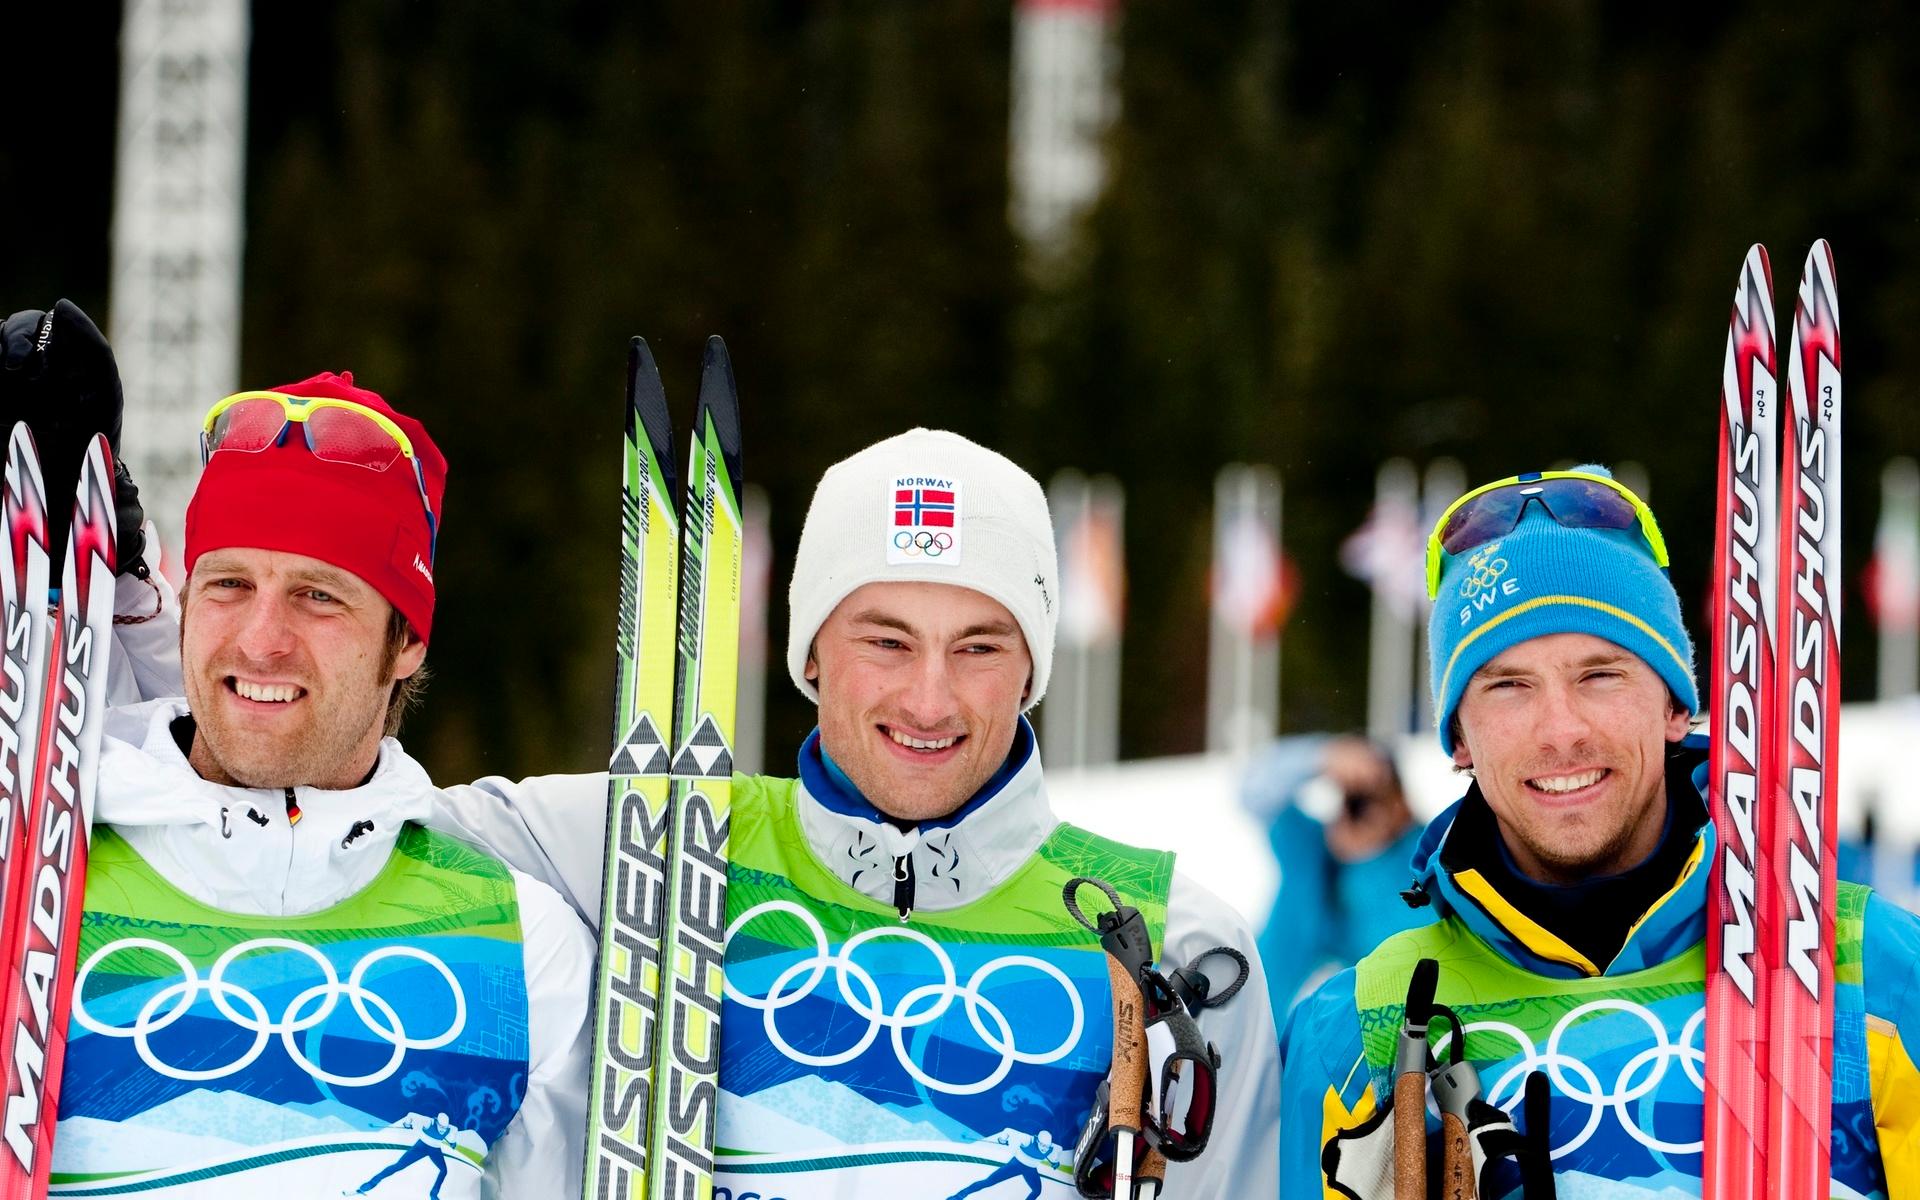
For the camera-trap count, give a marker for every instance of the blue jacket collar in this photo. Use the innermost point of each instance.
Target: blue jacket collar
(1673, 925)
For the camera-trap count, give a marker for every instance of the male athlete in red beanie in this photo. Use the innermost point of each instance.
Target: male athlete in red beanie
(317, 489)
(288, 984)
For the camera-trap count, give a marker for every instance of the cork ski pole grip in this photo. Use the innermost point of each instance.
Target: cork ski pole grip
(1456, 1177)
(1410, 1085)
(1128, 1091)
(1127, 1078)
(1410, 1137)
(1153, 1169)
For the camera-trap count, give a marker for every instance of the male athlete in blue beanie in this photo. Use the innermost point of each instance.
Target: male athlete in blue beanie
(1570, 881)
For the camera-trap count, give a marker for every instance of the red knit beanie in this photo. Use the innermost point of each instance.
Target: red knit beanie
(368, 522)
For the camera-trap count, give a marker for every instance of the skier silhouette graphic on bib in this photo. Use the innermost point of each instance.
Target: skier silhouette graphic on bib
(1028, 1155)
(434, 1139)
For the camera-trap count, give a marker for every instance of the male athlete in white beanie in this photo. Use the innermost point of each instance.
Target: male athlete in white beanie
(906, 994)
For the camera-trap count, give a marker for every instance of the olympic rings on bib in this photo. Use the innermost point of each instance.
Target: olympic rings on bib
(859, 993)
(1575, 1081)
(933, 545)
(310, 1009)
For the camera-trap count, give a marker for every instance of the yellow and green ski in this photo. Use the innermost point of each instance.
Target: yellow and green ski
(655, 1084)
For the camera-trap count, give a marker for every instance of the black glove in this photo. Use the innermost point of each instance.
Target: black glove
(58, 375)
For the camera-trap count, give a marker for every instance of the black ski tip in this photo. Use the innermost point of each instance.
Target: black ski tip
(647, 406)
(720, 398)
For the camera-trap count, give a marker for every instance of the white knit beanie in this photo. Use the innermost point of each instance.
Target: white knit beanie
(926, 506)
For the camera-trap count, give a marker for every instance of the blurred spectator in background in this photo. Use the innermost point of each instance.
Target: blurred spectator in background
(1344, 836)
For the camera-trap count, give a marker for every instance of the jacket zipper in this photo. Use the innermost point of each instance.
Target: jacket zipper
(903, 886)
(293, 818)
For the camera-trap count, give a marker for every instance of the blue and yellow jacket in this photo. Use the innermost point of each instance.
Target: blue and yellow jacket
(1622, 1043)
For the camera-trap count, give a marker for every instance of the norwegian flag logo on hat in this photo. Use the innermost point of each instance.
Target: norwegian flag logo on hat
(925, 525)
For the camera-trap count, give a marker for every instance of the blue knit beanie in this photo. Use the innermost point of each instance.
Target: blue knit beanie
(1544, 578)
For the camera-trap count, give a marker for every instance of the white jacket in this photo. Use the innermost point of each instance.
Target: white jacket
(554, 827)
(233, 849)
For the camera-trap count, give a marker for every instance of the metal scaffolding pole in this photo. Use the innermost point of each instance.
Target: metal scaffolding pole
(1065, 63)
(1243, 644)
(1080, 721)
(1896, 557)
(175, 322)
(1390, 669)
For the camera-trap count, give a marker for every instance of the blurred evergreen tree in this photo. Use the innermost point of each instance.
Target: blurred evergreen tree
(475, 207)
(1341, 233)
(1332, 233)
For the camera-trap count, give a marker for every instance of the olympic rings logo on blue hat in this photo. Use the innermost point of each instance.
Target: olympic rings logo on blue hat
(1483, 570)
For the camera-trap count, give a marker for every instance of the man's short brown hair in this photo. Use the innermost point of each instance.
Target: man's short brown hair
(407, 692)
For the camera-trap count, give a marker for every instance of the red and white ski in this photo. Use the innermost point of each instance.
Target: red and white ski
(1775, 696)
(1741, 683)
(1806, 740)
(46, 864)
(23, 661)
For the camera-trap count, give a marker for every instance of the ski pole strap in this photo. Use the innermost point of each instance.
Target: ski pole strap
(1123, 931)
(1163, 1085)
(1476, 1135)
(1193, 985)
(1456, 1047)
(1182, 1084)
(1069, 895)
(1411, 1053)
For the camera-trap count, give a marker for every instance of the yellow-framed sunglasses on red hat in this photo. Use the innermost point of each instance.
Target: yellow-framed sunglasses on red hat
(339, 431)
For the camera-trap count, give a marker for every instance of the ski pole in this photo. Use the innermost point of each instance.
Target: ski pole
(1410, 1086)
(1454, 1086)
(1123, 934)
(1536, 1164)
(1129, 1073)
(1153, 1170)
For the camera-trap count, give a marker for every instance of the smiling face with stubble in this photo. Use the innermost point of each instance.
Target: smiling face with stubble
(1567, 736)
(921, 686)
(289, 668)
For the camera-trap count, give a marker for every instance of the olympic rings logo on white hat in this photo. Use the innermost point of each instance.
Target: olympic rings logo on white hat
(307, 1010)
(1639, 1077)
(933, 545)
(920, 1006)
